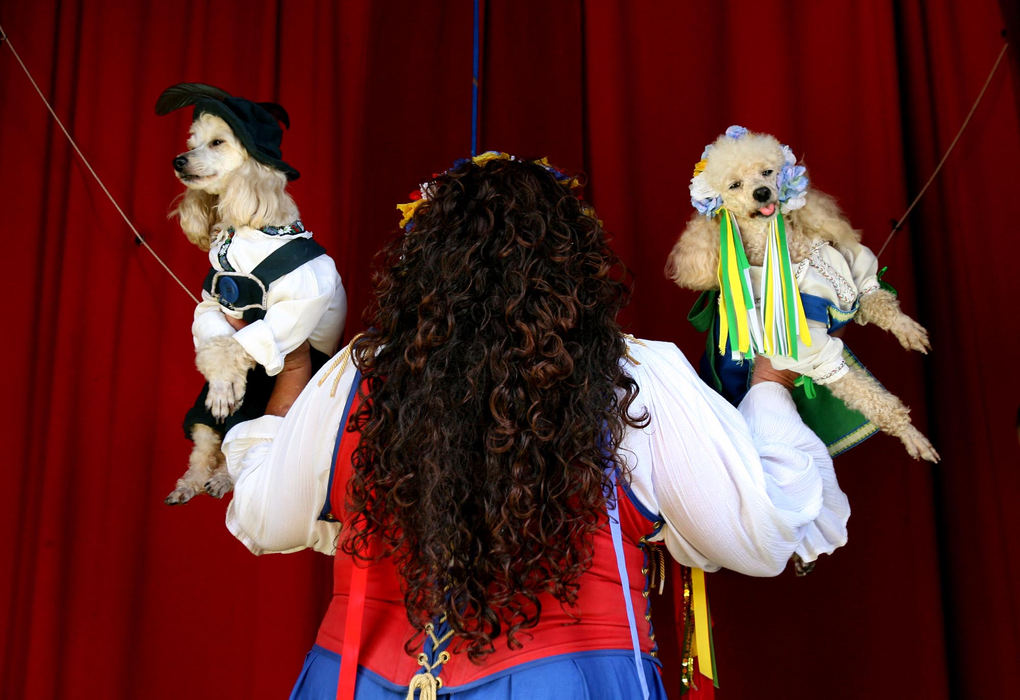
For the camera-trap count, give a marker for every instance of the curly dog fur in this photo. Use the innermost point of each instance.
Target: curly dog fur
(226, 187)
(744, 172)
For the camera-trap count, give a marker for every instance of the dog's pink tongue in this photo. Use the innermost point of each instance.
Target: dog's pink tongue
(767, 210)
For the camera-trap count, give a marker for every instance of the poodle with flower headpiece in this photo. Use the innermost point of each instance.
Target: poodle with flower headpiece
(789, 270)
(270, 287)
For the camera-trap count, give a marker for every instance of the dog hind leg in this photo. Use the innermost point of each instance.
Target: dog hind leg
(862, 392)
(204, 464)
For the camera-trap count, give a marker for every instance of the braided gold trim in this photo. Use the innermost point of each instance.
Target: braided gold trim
(341, 360)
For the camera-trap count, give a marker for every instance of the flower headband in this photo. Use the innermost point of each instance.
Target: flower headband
(792, 181)
(424, 192)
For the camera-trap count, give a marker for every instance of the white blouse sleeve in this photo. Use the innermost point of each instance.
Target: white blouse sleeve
(281, 468)
(741, 489)
(296, 303)
(863, 266)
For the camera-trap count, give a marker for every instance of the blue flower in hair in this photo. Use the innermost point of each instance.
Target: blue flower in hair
(792, 182)
(707, 207)
(736, 132)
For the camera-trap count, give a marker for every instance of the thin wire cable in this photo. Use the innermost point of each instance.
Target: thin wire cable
(7, 40)
(945, 157)
(474, 81)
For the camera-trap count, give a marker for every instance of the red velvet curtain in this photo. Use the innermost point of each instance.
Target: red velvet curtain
(109, 593)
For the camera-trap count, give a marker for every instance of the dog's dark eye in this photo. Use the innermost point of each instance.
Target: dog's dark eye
(766, 173)
(736, 185)
(217, 142)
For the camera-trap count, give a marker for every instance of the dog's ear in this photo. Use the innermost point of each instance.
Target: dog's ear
(278, 112)
(185, 94)
(196, 213)
(694, 261)
(820, 217)
(254, 195)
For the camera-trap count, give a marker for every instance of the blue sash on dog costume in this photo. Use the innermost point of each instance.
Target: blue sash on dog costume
(837, 425)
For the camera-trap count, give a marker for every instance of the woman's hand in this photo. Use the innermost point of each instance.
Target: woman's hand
(297, 370)
(765, 372)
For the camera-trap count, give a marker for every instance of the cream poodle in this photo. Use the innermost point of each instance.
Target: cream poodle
(755, 178)
(267, 275)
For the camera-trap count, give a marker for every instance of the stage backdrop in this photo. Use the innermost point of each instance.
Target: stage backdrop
(107, 593)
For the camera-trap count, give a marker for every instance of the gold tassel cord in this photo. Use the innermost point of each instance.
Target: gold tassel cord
(426, 684)
(341, 360)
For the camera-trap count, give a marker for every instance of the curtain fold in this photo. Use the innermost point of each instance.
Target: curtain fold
(109, 593)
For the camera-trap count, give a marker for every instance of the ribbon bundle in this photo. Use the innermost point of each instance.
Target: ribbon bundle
(774, 328)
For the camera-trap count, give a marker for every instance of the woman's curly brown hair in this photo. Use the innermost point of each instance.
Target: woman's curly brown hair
(495, 403)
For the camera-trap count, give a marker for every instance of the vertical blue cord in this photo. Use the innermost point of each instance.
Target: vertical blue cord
(612, 508)
(474, 87)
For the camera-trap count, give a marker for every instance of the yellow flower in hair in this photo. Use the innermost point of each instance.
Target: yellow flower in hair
(408, 211)
(699, 167)
(484, 158)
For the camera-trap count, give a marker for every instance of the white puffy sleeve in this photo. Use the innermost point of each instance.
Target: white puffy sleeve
(296, 304)
(863, 267)
(741, 489)
(281, 469)
(209, 320)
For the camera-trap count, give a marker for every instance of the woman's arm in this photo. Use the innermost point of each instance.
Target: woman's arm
(280, 464)
(741, 489)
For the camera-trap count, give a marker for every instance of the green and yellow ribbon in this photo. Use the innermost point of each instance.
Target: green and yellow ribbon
(776, 327)
(737, 315)
(702, 648)
(782, 308)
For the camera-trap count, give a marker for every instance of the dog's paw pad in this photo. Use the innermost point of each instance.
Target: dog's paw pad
(180, 495)
(219, 484)
(221, 400)
(918, 446)
(913, 336)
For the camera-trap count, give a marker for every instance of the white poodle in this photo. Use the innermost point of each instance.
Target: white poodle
(755, 179)
(265, 269)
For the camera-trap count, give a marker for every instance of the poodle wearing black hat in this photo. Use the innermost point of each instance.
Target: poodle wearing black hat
(266, 271)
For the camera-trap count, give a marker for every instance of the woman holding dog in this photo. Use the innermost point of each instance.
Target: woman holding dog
(491, 462)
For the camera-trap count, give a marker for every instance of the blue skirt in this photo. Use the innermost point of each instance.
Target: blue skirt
(587, 675)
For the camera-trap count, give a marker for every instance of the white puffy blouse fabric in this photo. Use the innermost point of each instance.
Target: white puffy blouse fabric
(741, 489)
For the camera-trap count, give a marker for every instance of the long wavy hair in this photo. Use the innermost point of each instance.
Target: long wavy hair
(495, 401)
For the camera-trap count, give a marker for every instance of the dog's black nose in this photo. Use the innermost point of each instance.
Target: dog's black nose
(180, 162)
(762, 194)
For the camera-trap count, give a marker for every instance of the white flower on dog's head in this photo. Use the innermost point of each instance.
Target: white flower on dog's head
(703, 197)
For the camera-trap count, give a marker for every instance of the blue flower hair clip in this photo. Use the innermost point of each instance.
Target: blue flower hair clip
(792, 182)
(736, 131)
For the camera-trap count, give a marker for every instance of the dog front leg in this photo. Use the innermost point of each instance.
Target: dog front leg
(881, 308)
(862, 392)
(224, 364)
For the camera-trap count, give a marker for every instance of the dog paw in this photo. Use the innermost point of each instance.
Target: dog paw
(180, 495)
(219, 484)
(224, 397)
(912, 335)
(918, 445)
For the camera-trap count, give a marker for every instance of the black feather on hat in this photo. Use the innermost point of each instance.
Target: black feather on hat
(255, 124)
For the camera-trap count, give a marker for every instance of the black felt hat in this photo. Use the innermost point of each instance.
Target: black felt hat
(255, 124)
